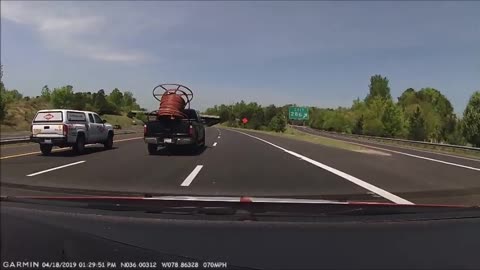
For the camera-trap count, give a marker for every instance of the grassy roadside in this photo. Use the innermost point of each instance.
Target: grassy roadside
(428, 148)
(433, 149)
(122, 120)
(301, 136)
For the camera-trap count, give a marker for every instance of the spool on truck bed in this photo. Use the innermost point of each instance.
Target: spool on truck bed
(174, 123)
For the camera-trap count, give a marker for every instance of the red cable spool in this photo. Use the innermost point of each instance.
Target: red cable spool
(173, 101)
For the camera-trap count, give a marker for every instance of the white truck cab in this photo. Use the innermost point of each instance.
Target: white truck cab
(70, 128)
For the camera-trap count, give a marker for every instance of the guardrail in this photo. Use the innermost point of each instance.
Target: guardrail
(26, 139)
(12, 140)
(402, 141)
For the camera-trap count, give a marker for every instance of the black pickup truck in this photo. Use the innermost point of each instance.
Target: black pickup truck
(174, 132)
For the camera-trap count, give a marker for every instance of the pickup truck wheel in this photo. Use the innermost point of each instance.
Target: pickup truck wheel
(79, 146)
(46, 149)
(109, 143)
(152, 148)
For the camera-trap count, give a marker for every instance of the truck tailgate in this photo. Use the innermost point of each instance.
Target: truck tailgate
(167, 128)
(47, 130)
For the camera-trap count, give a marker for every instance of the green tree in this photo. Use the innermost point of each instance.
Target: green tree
(442, 113)
(212, 111)
(436, 109)
(10, 96)
(225, 113)
(128, 99)
(116, 97)
(456, 136)
(373, 124)
(257, 118)
(278, 123)
(392, 120)
(337, 120)
(79, 101)
(102, 105)
(358, 127)
(373, 127)
(408, 97)
(62, 98)
(270, 112)
(471, 120)
(378, 88)
(46, 93)
(417, 126)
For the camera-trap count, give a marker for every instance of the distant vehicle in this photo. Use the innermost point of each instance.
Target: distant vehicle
(173, 124)
(70, 128)
(168, 132)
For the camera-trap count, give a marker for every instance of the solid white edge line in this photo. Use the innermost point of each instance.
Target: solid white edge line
(385, 194)
(191, 176)
(215, 144)
(56, 168)
(407, 154)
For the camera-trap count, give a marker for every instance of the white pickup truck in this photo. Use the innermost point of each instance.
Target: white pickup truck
(70, 128)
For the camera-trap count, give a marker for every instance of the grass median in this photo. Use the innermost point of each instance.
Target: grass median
(302, 136)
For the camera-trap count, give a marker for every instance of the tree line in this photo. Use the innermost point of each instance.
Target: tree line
(422, 115)
(116, 102)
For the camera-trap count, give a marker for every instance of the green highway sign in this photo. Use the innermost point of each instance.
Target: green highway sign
(298, 113)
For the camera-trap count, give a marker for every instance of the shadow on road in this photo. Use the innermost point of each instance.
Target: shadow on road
(68, 152)
(180, 151)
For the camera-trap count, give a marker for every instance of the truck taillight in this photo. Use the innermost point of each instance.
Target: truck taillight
(65, 130)
(191, 131)
(144, 130)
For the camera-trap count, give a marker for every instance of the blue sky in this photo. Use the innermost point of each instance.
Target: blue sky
(308, 53)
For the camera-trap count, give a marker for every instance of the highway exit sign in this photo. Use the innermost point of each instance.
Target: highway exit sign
(298, 113)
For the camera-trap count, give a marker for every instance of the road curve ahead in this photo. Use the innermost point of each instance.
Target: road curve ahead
(240, 163)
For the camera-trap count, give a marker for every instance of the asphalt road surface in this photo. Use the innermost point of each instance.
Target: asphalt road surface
(245, 163)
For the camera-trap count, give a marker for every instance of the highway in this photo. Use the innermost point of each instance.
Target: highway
(245, 163)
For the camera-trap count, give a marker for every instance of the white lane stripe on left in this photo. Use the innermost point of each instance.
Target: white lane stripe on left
(191, 176)
(215, 144)
(56, 168)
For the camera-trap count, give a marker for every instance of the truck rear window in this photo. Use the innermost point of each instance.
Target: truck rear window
(191, 114)
(53, 116)
(76, 117)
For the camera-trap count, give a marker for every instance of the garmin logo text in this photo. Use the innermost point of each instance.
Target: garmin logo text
(20, 265)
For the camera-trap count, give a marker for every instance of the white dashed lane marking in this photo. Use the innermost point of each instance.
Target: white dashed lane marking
(56, 168)
(191, 176)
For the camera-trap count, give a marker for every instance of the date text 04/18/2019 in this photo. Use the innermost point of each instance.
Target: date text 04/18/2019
(58, 265)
